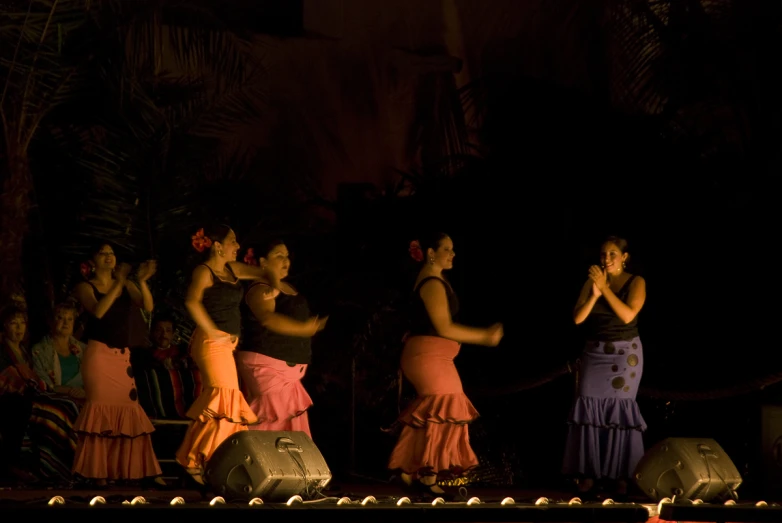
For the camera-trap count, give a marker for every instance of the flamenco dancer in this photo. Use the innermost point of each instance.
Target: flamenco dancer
(605, 425)
(434, 440)
(213, 300)
(114, 431)
(277, 347)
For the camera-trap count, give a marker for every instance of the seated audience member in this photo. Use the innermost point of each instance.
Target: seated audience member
(38, 430)
(162, 351)
(57, 357)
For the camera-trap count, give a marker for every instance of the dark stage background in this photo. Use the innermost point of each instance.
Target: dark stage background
(558, 125)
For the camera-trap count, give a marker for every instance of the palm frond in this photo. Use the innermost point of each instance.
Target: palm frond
(438, 129)
(166, 95)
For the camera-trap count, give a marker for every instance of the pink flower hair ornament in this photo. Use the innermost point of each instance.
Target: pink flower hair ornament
(249, 257)
(199, 241)
(86, 269)
(415, 251)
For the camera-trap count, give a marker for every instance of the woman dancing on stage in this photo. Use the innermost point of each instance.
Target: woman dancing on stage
(213, 299)
(434, 439)
(605, 425)
(114, 432)
(277, 346)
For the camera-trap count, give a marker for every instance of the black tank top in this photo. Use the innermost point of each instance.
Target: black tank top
(604, 325)
(222, 301)
(291, 349)
(122, 326)
(420, 322)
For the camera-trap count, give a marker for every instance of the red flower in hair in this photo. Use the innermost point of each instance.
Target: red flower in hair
(200, 242)
(249, 258)
(86, 268)
(415, 251)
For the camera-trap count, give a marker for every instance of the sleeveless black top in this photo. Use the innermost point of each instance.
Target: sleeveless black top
(291, 349)
(122, 326)
(604, 325)
(222, 301)
(420, 323)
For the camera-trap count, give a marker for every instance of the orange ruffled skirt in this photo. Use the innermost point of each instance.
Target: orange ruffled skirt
(220, 410)
(114, 431)
(434, 437)
(275, 392)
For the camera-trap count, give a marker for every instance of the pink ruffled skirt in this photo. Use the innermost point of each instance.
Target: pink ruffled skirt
(220, 410)
(274, 391)
(114, 431)
(434, 437)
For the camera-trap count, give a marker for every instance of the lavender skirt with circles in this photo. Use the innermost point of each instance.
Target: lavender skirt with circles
(605, 426)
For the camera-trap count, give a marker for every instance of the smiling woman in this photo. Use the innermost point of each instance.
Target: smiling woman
(114, 432)
(213, 298)
(434, 440)
(278, 346)
(605, 426)
(57, 357)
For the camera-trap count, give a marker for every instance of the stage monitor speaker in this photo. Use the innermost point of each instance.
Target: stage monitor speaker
(271, 465)
(688, 468)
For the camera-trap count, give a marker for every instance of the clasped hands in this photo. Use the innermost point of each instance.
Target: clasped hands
(146, 270)
(599, 279)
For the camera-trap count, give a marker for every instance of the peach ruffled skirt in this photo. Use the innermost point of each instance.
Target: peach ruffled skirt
(434, 437)
(221, 409)
(275, 392)
(114, 432)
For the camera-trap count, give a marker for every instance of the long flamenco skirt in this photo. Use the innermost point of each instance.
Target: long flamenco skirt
(274, 391)
(220, 410)
(605, 427)
(114, 431)
(434, 437)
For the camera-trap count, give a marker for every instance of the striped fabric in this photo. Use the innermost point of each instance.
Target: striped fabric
(50, 442)
(167, 394)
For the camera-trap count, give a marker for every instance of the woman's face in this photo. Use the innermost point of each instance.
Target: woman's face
(443, 256)
(15, 328)
(63, 322)
(277, 262)
(228, 248)
(105, 258)
(611, 258)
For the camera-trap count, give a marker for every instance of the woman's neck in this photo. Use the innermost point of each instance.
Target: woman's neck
(432, 270)
(15, 345)
(62, 339)
(103, 276)
(615, 276)
(216, 264)
(62, 344)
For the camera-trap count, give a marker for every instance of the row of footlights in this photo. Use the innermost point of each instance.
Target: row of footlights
(728, 503)
(369, 500)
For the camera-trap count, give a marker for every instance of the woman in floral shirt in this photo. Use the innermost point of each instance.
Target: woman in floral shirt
(57, 357)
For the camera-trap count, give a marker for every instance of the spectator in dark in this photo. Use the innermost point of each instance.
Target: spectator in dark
(163, 350)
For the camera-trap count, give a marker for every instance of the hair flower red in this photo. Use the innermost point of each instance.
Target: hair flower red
(86, 268)
(200, 242)
(249, 258)
(415, 251)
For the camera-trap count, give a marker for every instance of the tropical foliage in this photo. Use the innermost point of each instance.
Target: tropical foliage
(37, 74)
(135, 108)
